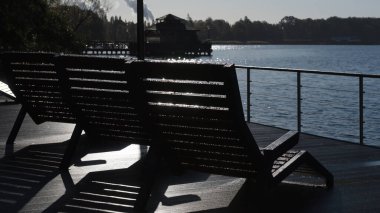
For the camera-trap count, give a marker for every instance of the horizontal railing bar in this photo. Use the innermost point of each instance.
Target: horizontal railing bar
(309, 71)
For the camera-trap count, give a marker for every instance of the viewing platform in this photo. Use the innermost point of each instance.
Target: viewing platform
(31, 181)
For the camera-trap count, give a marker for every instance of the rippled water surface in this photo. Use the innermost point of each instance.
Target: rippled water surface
(330, 104)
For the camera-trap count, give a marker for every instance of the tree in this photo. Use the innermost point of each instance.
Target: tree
(78, 11)
(31, 25)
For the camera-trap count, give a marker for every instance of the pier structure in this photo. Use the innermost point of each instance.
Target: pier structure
(107, 48)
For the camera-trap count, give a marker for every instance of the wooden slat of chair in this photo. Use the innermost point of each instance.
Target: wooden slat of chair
(183, 87)
(96, 74)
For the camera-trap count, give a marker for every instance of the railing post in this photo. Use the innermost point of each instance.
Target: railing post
(299, 102)
(248, 95)
(361, 111)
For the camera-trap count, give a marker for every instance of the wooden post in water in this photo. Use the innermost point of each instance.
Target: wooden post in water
(140, 30)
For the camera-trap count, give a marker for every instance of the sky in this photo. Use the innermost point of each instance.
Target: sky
(271, 11)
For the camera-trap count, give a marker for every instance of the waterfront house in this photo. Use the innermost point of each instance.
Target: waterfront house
(170, 35)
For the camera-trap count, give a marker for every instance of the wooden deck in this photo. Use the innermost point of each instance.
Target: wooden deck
(106, 177)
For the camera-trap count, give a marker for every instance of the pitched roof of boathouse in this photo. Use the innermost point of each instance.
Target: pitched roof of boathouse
(171, 22)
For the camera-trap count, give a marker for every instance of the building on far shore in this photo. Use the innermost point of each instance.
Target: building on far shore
(170, 36)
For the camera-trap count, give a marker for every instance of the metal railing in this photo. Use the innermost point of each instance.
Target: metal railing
(300, 73)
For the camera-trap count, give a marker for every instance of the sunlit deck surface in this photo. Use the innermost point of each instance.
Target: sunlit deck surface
(32, 182)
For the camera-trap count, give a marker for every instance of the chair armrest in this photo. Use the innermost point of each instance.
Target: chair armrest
(281, 145)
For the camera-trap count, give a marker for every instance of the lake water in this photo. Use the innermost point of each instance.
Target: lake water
(330, 104)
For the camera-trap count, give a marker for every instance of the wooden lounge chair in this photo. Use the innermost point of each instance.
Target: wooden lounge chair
(196, 111)
(100, 97)
(33, 80)
(96, 89)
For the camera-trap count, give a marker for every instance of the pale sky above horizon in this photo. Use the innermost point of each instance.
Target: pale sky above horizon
(271, 11)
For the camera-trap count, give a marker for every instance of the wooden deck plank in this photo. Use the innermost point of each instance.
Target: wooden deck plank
(356, 169)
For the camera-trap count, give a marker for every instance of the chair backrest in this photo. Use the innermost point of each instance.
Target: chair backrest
(32, 77)
(99, 94)
(196, 111)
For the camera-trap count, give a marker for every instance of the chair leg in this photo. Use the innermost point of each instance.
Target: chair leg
(318, 167)
(67, 181)
(149, 172)
(70, 149)
(15, 129)
(303, 157)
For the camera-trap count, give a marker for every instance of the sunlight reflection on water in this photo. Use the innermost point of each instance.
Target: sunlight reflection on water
(330, 103)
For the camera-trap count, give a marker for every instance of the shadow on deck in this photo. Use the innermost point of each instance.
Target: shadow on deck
(106, 177)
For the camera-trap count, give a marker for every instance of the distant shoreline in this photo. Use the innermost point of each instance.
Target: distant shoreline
(294, 42)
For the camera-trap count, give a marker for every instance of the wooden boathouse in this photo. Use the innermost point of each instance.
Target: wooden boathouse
(171, 36)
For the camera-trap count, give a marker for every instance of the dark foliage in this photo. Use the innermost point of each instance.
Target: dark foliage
(33, 25)
(293, 30)
(48, 25)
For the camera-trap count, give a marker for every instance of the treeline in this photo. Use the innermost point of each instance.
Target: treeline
(292, 30)
(58, 25)
(68, 25)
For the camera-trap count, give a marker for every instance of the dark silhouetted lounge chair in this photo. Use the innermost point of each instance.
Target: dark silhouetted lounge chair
(101, 98)
(196, 111)
(33, 80)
